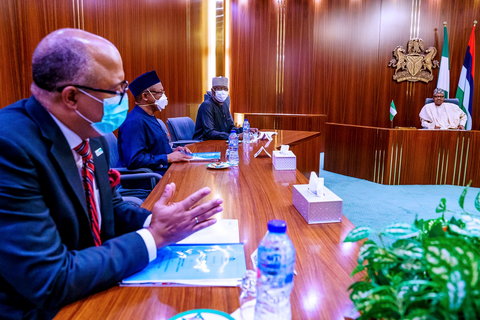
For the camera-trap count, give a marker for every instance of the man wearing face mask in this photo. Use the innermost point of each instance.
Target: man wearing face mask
(65, 232)
(214, 121)
(142, 143)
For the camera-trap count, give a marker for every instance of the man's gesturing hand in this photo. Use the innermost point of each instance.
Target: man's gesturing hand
(171, 222)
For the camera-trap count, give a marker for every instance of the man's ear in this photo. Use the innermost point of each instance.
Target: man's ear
(69, 97)
(145, 96)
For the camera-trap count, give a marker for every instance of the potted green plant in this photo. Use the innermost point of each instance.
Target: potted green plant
(426, 270)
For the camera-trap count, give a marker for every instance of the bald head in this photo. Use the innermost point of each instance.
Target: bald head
(70, 56)
(68, 59)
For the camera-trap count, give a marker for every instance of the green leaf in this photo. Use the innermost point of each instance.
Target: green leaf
(357, 269)
(442, 206)
(461, 200)
(477, 202)
(401, 231)
(357, 234)
(456, 288)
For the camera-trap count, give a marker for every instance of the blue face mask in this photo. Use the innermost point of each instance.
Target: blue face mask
(114, 113)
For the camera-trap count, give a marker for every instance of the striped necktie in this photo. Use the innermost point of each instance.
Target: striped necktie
(88, 170)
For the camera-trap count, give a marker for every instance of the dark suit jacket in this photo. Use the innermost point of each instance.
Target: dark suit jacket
(214, 121)
(142, 143)
(47, 258)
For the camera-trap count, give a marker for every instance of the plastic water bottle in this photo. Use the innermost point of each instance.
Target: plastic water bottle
(246, 131)
(232, 152)
(276, 262)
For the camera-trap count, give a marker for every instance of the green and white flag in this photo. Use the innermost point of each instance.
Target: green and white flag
(393, 110)
(444, 73)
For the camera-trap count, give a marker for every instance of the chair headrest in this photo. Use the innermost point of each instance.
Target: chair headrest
(451, 100)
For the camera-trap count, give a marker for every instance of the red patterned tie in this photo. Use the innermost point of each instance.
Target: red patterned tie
(88, 169)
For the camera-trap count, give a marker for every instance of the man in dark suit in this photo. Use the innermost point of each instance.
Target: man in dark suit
(64, 231)
(142, 143)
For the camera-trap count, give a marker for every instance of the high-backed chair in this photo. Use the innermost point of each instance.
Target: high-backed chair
(130, 179)
(181, 130)
(452, 100)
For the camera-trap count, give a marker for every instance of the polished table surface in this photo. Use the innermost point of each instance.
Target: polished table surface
(253, 193)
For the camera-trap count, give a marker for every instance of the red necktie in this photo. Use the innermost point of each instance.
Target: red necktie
(88, 169)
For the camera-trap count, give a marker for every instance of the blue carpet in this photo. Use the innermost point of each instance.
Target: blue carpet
(376, 206)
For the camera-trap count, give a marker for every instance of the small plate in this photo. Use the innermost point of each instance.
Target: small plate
(218, 165)
(206, 314)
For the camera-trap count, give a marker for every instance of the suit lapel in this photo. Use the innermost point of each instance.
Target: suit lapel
(61, 153)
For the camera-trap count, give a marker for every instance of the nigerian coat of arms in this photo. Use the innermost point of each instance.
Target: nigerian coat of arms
(414, 65)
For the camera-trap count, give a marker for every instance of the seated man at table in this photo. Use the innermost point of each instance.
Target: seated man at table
(65, 233)
(214, 121)
(142, 143)
(442, 115)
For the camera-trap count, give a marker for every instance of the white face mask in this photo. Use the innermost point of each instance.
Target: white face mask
(221, 95)
(162, 102)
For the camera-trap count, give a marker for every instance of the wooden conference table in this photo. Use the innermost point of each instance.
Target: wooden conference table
(253, 193)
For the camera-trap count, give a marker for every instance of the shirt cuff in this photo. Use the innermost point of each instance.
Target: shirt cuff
(146, 224)
(149, 243)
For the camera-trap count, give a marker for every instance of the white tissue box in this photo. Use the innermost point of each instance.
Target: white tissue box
(316, 209)
(284, 161)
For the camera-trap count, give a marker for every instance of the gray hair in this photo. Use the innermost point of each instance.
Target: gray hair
(60, 60)
(439, 91)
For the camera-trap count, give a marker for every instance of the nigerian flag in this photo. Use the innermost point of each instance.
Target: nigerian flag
(444, 73)
(393, 110)
(465, 83)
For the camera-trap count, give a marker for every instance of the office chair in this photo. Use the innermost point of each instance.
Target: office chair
(181, 130)
(451, 100)
(132, 182)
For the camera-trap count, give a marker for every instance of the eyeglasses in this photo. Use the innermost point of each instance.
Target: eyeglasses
(439, 97)
(161, 93)
(123, 89)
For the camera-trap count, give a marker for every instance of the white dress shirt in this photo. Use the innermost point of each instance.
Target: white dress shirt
(74, 140)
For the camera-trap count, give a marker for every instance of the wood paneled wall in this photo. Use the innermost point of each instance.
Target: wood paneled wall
(168, 36)
(287, 56)
(335, 56)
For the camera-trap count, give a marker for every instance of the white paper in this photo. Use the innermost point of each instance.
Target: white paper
(284, 148)
(224, 231)
(316, 185)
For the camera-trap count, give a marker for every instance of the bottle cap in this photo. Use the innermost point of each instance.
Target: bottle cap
(277, 226)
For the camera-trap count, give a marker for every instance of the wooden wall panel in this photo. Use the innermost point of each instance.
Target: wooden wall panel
(254, 49)
(336, 54)
(22, 25)
(333, 53)
(168, 36)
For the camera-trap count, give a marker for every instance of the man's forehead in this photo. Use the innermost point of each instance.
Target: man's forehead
(157, 87)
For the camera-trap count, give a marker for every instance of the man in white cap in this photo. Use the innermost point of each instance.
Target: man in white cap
(214, 121)
(442, 115)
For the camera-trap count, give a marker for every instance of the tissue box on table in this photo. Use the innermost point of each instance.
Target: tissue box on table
(284, 161)
(315, 209)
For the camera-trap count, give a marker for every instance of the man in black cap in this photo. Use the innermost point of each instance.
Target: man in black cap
(142, 143)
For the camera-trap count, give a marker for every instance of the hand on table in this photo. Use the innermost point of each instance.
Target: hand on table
(177, 156)
(172, 222)
(183, 149)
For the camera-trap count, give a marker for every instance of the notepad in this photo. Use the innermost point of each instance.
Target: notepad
(193, 265)
(205, 156)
